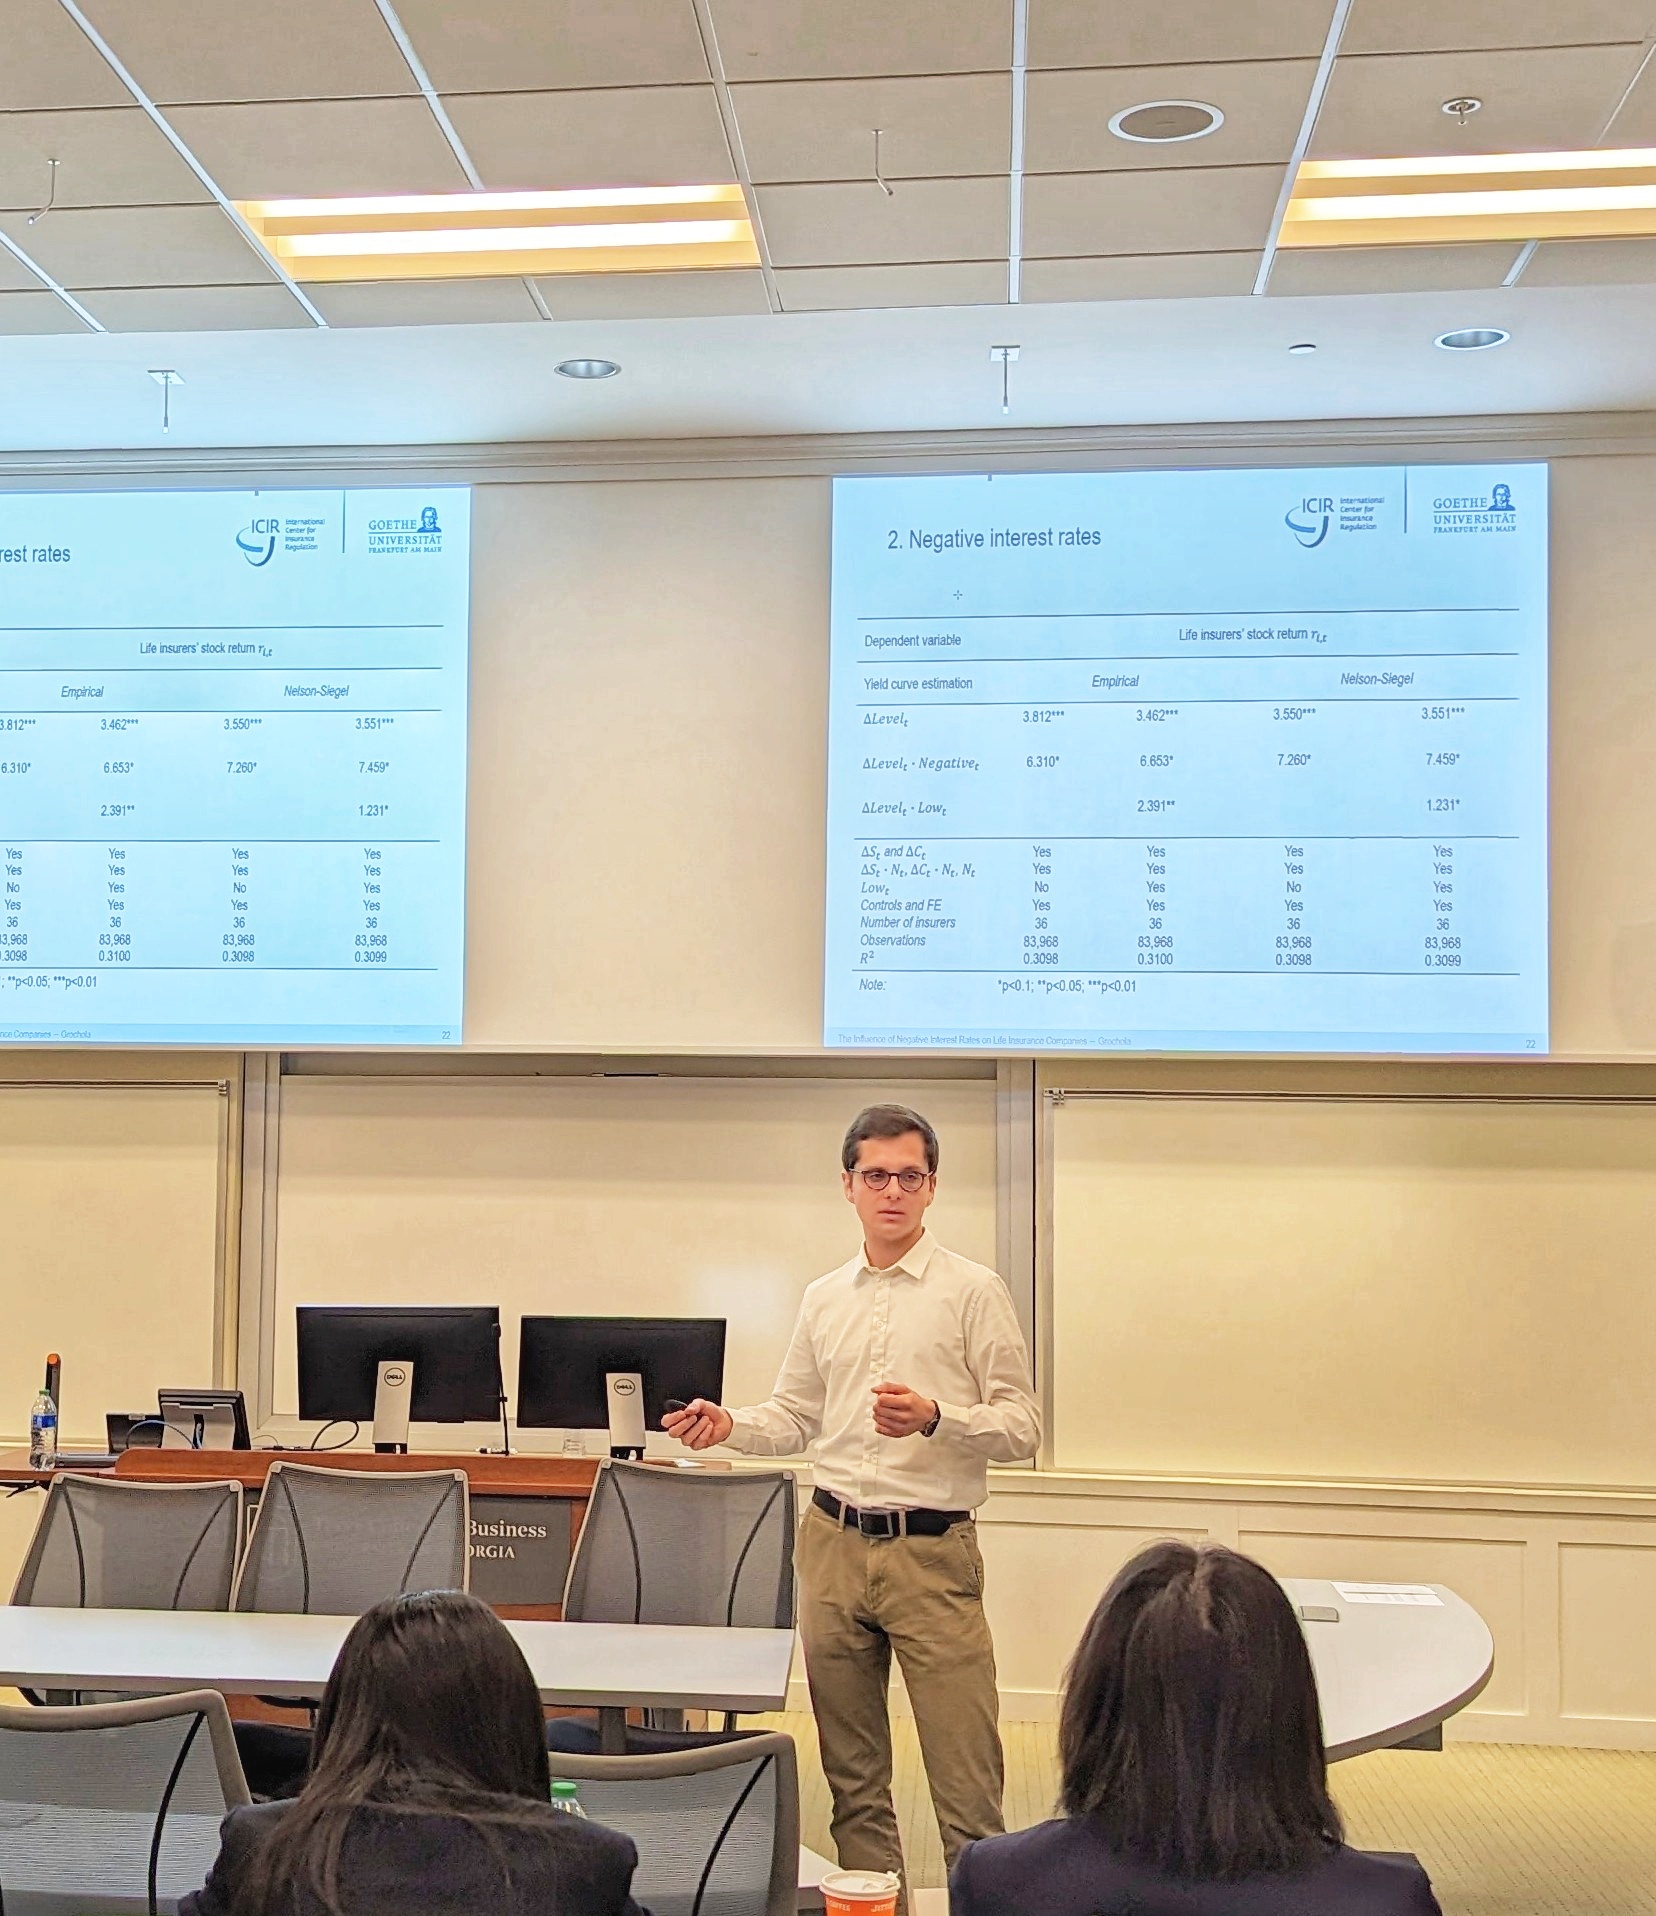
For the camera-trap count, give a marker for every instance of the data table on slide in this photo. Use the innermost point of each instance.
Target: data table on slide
(1206, 760)
(232, 766)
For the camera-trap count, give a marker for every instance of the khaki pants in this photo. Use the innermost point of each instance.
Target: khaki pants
(861, 1599)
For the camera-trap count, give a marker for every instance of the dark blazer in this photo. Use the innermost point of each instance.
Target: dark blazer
(400, 1865)
(1064, 1868)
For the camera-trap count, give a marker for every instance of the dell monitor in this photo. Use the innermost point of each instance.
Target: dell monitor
(397, 1364)
(615, 1373)
(202, 1420)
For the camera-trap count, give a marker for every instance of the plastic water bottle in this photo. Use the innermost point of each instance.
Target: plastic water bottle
(43, 1433)
(567, 1797)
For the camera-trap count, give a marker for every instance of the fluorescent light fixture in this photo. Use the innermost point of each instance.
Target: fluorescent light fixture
(1461, 198)
(624, 229)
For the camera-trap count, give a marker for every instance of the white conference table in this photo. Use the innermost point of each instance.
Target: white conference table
(1391, 1672)
(610, 1667)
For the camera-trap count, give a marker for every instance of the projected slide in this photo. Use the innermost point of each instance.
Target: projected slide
(1218, 761)
(233, 766)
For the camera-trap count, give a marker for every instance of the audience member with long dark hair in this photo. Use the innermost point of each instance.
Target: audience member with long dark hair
(428, 1793)
(1194, 1780)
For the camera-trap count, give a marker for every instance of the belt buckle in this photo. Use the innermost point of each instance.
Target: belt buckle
(882, 1524)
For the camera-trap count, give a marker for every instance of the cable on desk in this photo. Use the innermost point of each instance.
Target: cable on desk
(345, 1443)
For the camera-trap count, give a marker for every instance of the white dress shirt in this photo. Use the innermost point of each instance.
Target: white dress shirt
(934, 1321)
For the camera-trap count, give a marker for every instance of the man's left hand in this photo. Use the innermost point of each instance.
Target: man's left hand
(901, 1412)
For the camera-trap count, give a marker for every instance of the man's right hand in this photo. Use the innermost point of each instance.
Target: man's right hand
(699, 1426)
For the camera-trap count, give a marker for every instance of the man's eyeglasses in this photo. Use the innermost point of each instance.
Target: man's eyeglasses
(910, 1181)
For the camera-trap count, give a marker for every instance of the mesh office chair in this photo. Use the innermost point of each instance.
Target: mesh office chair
(717, 1826)
(681, 1546)
(113, 1809)
(101, 1545)
(678, 1546)
(336, 1542)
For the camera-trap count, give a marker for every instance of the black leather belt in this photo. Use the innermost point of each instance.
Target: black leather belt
(888, 1523)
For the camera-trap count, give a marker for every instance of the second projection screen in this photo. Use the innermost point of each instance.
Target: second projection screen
(1220, 761)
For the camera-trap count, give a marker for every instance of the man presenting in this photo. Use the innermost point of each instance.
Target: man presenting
(908, 1371)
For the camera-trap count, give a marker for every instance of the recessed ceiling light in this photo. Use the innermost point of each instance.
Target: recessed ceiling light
(623, 229)
(1459, 197)
(1303, 346)
(587, 368)
(1163, 122)
(1472, 339)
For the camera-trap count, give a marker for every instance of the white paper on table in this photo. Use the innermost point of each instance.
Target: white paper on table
(1389, 1593)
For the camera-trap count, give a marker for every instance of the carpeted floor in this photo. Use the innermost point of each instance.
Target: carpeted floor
(1503, 1829)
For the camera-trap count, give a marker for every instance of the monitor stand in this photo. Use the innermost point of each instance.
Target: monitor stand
(624, 1393)
(393, 1394)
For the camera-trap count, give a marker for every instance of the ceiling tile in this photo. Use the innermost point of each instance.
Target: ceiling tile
(1606, 262)
(858, 225)
(619, 136)
(1427, 26)
(140, 246)
(185, 50)
(1140, 276)
(1384, 104)
(195, 309)
(1092, 33)
(294, 148)
(811, 289)
(1392, 269)
(423, 302)
(108, 156)
(1635, 123)
(1263, 102)
(509, 46)
(933, 128)
(50, 62)
(654, 295)
(14, 275)
(1195, 210)
(845, 39)
(37, 313)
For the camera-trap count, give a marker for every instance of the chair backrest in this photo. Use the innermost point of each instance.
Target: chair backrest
(684, 1546)
(113, 1806)
(336, 1542)
(717, 1826)
(102, 1545)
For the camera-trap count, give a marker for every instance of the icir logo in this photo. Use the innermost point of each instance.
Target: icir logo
(1309, 521)
(257, 540)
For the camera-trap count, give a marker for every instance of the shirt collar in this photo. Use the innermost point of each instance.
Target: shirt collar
(912, 1263)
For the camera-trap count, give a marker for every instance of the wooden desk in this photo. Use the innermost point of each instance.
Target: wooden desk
(526, 1511)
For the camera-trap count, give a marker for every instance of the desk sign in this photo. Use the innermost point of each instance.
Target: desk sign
(519, 1549)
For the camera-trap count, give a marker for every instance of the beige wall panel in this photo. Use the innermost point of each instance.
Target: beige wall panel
(1607, 1649)
(18, 1517)
(1041, 1582)
(1421, 1292)
(648, 751)
(111, 1200)
(652, 1197)
(1488, 1572)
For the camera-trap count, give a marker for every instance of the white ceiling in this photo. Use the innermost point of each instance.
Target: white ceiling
(1146, 284)
(1128, 362)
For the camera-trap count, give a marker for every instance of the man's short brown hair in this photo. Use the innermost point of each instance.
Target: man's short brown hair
(887, 1121)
